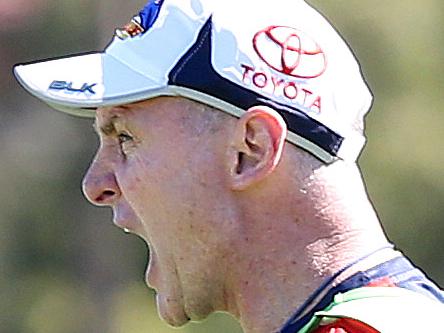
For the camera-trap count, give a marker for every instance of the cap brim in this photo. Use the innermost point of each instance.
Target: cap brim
(79, 84)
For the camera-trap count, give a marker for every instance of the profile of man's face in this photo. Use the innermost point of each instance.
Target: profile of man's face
(160, 166)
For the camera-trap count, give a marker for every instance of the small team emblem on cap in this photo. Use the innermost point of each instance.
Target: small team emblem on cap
(132, 29)
(142, 22)
(290, 51)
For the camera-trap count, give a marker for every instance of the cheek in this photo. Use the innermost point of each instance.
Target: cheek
(148, 185)
(137, 179)
(167, 187)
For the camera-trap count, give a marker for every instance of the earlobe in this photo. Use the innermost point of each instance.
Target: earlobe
(257, 146)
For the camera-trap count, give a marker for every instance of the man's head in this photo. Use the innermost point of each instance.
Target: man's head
(211, 130)
(202, 187)
(172, 170)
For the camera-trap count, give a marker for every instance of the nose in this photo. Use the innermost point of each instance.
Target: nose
(100, 186)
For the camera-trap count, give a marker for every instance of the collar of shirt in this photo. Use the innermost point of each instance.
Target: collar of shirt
(398, 268)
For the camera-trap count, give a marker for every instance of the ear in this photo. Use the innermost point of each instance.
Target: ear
(257, 146)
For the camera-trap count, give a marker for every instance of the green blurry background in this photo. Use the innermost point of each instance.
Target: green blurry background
(65, 268)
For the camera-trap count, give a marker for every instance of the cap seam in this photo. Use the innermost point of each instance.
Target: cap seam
(187, 59)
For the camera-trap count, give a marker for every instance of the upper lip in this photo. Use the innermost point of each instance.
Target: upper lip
(123, 220)
(125, 225)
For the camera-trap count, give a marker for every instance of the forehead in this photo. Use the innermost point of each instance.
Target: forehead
(135, 112)
(170, 113)
(160, 105)
(106, 114)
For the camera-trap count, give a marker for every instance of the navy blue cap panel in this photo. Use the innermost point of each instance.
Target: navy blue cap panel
(198, 60)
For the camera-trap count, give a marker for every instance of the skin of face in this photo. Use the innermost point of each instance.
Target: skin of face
(235, 221)
(160, 166)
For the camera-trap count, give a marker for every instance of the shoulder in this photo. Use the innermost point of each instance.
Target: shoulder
(380, 309)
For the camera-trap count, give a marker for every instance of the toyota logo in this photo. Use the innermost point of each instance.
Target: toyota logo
(290, 51)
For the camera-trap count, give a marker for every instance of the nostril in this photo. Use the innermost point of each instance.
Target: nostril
(106, 196)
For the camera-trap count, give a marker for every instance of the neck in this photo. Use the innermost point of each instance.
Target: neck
(281, 260)
(271, 285)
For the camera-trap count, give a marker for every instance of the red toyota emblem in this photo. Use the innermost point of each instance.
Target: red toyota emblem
(290, 51)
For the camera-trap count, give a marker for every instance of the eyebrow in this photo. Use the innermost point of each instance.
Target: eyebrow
(108, 128)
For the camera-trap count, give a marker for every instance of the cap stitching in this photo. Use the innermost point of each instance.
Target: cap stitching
(191, 55)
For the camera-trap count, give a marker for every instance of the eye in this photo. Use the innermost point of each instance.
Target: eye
(126, 143)
(124, 137)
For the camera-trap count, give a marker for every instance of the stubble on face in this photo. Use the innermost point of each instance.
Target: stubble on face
(172, 178)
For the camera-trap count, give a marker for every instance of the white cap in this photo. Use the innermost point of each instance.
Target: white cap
(229, 54)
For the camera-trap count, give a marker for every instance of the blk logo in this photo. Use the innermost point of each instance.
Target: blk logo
(69, 86)
(290, 51)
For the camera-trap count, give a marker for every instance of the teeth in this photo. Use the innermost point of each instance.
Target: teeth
(126, 231)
